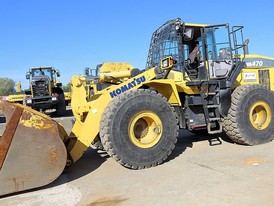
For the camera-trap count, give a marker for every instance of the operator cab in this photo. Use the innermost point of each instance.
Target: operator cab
(203, 52)
(43, 71)
(214, 53)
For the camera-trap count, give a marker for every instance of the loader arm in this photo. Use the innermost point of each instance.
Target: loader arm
(88, 114)
(34, 149)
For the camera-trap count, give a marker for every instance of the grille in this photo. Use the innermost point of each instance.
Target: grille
(264, 78)
(40, 88)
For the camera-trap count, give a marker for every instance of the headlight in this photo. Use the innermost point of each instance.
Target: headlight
(29, 101)
(165, 63)
(54, 98)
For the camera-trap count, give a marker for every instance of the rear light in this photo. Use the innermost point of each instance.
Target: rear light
(54, 96)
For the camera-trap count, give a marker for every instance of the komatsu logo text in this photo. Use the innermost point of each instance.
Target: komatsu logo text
(130, 85)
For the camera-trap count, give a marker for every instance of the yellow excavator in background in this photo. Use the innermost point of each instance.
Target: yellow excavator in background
(198, 77)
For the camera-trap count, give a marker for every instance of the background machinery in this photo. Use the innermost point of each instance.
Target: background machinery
(188, 83)
(18, 96)
(103, 76)
(45, 91)
(106, 74)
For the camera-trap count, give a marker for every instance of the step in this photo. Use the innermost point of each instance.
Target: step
(212, 106)
(214, 131)
(211, 93)
(214, 119)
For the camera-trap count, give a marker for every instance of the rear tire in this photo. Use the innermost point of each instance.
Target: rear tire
(250, 119)
(139, 129)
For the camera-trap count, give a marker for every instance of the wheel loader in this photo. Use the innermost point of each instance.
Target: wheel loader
(45, 90)
(198, 77)
(106, 74)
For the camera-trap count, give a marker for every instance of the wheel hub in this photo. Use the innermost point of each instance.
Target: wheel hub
(260, 115)
(145, 129)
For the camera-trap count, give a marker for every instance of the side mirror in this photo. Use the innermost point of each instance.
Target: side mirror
(188, 34)
(28, 75)
(57, 73)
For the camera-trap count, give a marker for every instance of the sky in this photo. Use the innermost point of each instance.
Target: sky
(71, 35)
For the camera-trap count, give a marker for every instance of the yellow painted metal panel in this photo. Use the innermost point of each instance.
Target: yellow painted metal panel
(88, 114)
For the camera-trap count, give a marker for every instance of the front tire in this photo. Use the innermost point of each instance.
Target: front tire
(139, 129)
(250, 119)
(61, 105)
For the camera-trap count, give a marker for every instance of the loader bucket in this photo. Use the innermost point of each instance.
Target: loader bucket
(32, 152)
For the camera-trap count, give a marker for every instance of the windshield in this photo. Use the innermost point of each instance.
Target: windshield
(164, 42)
(42, 71)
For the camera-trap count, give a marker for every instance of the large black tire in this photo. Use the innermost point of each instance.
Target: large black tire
(139, 129)
(61, 105)
(250, 119)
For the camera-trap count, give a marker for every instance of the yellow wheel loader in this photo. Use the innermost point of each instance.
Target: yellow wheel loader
(106, 74)
(198, 77)
(45, 90)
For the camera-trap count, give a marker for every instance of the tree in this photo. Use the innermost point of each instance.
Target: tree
(66, 87)
(6, 86)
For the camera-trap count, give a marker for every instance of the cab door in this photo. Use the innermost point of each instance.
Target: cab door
(217, 50)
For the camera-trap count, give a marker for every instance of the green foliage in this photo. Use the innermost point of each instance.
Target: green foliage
(66, 87)
(6, 86)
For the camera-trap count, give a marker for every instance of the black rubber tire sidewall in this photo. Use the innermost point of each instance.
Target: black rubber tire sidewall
(240, 126)
(117, 139)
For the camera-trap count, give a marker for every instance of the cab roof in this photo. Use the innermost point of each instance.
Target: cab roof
(196, 25)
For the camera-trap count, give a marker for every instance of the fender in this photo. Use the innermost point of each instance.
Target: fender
(128, 86)
(168, 89)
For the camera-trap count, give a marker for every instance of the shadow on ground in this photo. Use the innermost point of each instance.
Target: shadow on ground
(186, 140)
(93, 159)
(88, 163)
(2, 119)
(53, 114)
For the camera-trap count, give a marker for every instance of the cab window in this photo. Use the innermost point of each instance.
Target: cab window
(218, 44)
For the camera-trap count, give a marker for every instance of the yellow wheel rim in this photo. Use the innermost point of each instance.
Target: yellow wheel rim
(260, 115)
(145, 129)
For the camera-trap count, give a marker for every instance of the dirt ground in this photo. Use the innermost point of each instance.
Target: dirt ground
(200, 171)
